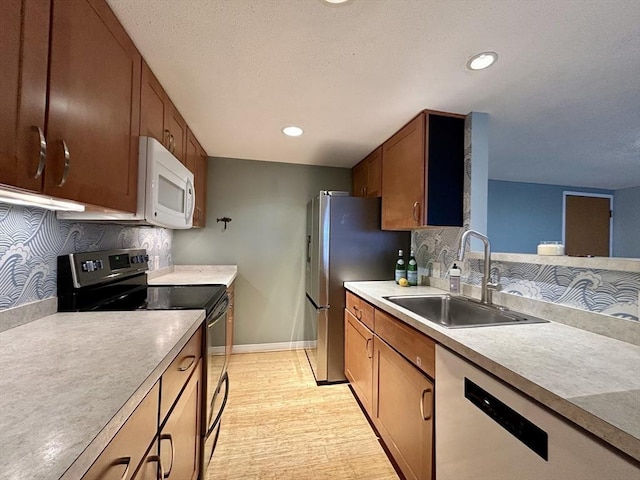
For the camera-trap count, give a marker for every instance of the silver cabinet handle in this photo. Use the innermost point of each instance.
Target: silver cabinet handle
(156, 458)
(172, 143)
(167, 436)
(424, 392)
(43, 152)
(67, 164)
(365, 191)
(123, 461)
(193, 360)
(167, 139)
(416, 209)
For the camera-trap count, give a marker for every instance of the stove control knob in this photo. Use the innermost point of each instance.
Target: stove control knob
(134, 259)
(146, 258)
(84, 267)
(90, 266)
(98, 264)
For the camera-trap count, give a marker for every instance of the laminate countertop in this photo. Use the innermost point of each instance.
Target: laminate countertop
(69, 381)
(194, 275)
(591, 380)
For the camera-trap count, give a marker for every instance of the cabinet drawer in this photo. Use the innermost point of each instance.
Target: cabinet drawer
(176, 376)
(360, 309)
(128, 447)
(415, 346)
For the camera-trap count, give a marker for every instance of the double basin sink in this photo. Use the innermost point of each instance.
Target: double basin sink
(460, 312)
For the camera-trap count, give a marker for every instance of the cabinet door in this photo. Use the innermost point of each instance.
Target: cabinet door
(359, 179)
(178, 128)
(128, 447)
(403, 177)
(180, 436)
(24, 36)
(153, 107)
(229, 333)
(403, 411)
(94, 107)
(358, 359)
(196, 162)
(374, 173)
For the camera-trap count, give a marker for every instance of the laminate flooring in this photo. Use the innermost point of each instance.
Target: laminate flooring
(279, 425)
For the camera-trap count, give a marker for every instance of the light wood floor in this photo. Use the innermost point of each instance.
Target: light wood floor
(279, 425)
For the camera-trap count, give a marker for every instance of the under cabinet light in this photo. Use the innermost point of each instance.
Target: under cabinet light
(19, 197)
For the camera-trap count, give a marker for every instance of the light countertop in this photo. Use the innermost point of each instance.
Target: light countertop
(194, 275)
(69, 381)
(592, 380)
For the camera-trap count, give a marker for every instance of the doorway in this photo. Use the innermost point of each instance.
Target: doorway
(587, 222)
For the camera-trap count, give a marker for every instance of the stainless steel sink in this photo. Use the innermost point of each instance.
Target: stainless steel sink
(459, 312)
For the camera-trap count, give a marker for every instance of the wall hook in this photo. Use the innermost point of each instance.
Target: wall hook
(225, 220)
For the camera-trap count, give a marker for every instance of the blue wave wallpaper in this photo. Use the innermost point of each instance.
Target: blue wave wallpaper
(32, 238)
(609, 292)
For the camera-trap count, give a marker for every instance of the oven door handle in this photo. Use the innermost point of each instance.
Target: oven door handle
(213, 425)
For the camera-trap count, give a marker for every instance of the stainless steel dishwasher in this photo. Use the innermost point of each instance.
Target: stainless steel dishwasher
(486, 430)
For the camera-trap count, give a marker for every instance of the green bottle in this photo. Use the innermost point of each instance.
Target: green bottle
(401, 268)
(412, 270)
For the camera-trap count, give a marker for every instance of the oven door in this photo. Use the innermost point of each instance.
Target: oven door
(217, 381)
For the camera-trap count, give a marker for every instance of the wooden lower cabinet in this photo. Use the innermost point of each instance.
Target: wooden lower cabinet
(127, 449)
(403, 403)
(358, 359)
(180, 435)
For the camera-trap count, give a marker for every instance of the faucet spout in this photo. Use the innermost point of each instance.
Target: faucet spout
(487, 287)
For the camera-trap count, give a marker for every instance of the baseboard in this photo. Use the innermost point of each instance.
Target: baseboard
(273, 347)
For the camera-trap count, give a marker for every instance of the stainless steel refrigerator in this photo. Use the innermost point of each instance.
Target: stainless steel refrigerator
(344, 243)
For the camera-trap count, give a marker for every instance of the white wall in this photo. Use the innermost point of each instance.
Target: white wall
(266, 239)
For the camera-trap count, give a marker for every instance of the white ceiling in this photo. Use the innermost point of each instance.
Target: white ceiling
(563, 99)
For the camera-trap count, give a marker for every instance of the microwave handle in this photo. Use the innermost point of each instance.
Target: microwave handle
(190, 199)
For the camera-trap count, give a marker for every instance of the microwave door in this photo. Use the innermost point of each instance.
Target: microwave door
(170, 194)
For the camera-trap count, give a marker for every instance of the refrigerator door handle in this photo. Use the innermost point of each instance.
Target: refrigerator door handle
(308, 248)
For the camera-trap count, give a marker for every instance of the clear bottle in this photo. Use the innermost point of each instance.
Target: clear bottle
(412, 270)
(454, 279)
(401, 268)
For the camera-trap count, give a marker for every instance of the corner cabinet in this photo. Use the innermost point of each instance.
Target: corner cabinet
(89, 149)
(423, 173)
(367, 175)
(391, 369)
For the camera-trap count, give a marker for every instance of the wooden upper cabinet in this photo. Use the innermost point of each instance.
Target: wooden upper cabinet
(367, 175)
(159, 118)
(94, 97)
(196, 161)
(24, 36)
(423, 173)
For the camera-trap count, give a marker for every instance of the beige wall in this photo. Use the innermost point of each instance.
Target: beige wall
(266, 239)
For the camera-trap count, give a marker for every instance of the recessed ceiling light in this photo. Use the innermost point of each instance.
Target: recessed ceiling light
(336, 2)
(292, 131)
(482, 60)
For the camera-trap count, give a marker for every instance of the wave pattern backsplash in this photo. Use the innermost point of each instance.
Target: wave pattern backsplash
(608, 292)
(32, 238)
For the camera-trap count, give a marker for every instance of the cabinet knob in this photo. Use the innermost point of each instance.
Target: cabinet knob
(67, 164)
(43, 152)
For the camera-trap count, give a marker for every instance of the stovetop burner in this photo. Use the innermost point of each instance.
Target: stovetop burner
(115, 280)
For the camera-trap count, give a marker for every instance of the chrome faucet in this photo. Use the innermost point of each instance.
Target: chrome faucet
(487, 286)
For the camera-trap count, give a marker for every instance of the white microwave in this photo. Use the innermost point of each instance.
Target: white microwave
(166, 194)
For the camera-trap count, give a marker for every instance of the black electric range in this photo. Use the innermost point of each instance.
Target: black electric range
(115, 280)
